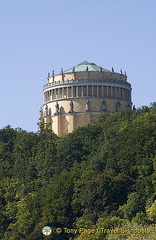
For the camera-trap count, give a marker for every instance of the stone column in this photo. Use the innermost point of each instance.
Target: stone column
(72, 91)
(121, 92)
(50, 97)
(97, 90)
(63, 92)
(82, 90)
(129, 95)
(87, 90)
(76, 91)
(115, 92)
(47, 96)
(58, 92)
(124, 93)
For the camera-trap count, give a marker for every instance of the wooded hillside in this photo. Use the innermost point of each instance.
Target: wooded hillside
(102, 176)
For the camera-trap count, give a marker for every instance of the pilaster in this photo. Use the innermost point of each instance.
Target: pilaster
(71, 122)
(87, 117)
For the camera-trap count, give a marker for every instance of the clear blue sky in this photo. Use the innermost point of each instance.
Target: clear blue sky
(37, 36)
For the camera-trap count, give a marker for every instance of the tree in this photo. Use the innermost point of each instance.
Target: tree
(102, 193)
(153, 105)
(132, 207)
(151, 212)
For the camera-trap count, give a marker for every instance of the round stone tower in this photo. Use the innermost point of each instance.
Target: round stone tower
(77, 96)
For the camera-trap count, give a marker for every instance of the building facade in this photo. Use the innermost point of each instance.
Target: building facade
(77, 96)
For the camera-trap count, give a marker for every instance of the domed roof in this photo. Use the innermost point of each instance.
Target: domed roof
(86, 66)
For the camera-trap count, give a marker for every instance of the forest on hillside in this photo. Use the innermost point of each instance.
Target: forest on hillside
(96, 183)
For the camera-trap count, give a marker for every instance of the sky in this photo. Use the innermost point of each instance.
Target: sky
(38, 36)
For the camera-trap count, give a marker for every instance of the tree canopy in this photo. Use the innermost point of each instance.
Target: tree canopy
(102, 176)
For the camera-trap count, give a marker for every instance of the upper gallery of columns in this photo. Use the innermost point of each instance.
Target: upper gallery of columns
(86, 71)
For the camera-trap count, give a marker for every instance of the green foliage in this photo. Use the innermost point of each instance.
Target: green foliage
(7, 136)
(141, 219)
(76, 146)
(102, 193)
(132, 207)
(100, 176)
(153, 105)
(151, 212)
(56, 198)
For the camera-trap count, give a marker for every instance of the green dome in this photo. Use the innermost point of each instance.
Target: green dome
(86, 67)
